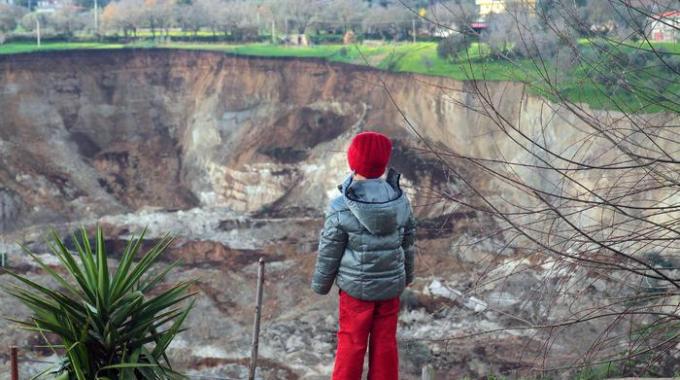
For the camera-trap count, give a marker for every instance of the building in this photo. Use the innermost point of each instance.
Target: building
(486, 7)
(295, 39)
(50, 6)
(665, 27)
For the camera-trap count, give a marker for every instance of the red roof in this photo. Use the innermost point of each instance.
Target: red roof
(668, 14)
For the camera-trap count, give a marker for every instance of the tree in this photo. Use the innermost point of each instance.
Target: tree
(453, 14)
(157, 15)
(595, 200)
(498, 34)
(66, 20)
(29, 21)
(456, 16)
(9, 17)
(86, 21)
(123, 15)
(234, 15)
(213, 13)
(393, 22)
(297, 15)
(194, 16)
(519, 33)
(344, 15)
(89, 4)
(247, 27)
(453, 45)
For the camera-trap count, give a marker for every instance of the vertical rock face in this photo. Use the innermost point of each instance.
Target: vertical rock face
(175, 130)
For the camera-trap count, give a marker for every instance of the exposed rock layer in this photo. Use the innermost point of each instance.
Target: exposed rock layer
(91, 133)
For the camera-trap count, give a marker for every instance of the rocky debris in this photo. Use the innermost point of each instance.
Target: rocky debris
(438, 289)
(460, 328)
(237, 231)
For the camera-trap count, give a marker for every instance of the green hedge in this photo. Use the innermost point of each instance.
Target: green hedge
(320, 39)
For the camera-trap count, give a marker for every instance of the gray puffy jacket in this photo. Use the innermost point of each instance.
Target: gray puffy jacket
(367, 243)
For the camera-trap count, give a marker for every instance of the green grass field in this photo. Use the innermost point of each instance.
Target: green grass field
(419, 58)
(576, 85)
(21, 47)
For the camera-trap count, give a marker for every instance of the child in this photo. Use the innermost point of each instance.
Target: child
(367, 248)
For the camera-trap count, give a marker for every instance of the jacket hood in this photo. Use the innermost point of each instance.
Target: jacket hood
(378, 204)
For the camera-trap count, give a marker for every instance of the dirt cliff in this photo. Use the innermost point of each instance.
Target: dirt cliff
(238, 158)
(93, 133)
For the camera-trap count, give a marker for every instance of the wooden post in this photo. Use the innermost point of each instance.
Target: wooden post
(256, 325)
(14, 360)
(427, 373)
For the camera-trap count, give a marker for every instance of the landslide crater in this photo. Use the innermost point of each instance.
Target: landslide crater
(237, 157)
(91, 133)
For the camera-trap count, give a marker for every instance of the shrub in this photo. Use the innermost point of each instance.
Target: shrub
(498, 34)
(427, 61)
(9, 16)
(540, 45)
(451, 46)
(108, 325)
(318, 39)
(638, 58)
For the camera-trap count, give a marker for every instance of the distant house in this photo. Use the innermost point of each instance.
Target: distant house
(486, 7)
(295, 39)
(479, 27)
(50, 6)
(665, 27)
(444, 31)
(447, 31)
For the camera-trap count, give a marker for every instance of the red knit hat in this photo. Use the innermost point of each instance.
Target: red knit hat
(369, 153)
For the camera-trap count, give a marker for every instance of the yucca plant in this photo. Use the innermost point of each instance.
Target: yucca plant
(107, 323)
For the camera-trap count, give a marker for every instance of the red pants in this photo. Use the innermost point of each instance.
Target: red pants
(359, 320)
